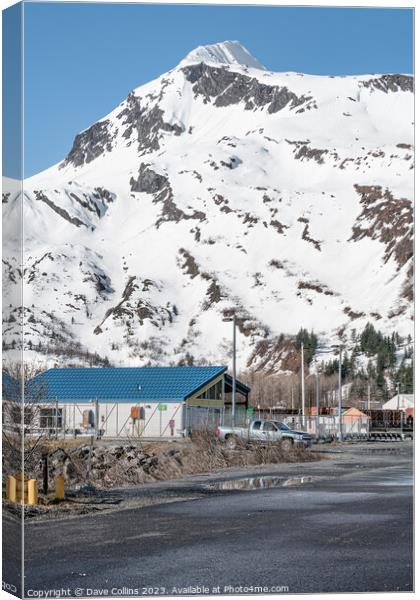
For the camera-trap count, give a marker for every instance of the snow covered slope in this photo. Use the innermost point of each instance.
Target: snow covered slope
(225, 53)
(220, 188)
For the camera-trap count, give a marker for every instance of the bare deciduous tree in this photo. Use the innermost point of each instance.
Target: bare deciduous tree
(22, 435)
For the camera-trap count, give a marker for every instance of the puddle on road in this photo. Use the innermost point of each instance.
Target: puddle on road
(258, 483)
(297, 481)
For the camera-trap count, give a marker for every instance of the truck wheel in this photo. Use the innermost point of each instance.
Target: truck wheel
(287, 444)
(231, 442)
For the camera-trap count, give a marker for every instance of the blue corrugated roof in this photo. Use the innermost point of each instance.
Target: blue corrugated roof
(168, 384)
(11, 387)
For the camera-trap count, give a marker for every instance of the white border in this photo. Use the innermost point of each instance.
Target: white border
(291, 3)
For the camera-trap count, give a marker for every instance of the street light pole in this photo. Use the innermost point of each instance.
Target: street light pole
(340, 398)
(233, 410)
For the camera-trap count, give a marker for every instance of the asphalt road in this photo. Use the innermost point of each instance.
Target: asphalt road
(348, 534)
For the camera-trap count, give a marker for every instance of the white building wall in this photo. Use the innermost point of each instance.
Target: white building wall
(114, 419)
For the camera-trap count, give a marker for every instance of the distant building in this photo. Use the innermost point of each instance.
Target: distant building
(400, 402)
(353, 422)
(131, 402)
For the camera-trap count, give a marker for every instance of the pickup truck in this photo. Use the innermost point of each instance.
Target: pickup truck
(264, 431)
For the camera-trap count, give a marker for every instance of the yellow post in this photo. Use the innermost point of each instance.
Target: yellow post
(59, 487)
(11, 488)
(32, 491)
(21, 488)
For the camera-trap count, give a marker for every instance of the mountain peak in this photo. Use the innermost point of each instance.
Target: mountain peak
(223, 53)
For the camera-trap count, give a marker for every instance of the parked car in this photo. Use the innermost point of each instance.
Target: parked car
(264, 431)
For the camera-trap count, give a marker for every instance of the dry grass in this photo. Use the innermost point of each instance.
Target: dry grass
(209, 454)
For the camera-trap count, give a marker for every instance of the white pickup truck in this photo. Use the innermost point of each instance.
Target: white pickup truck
(264, 431)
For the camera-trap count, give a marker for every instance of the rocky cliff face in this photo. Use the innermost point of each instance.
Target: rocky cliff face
(220, 188)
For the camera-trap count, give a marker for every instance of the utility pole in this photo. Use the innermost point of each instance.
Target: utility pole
(234, 372)
(398, 396)
(302, 368)
(368, 401)
(340, 397)
(317, 401)
(233, 319)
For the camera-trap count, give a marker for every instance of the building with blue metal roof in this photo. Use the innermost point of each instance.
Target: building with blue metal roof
(135, 401)
(169, 384)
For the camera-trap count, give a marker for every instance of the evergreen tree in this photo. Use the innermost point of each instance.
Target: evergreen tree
(405, 378)
(310, 342)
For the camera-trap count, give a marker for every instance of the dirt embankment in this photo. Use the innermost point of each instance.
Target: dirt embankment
(108, 466)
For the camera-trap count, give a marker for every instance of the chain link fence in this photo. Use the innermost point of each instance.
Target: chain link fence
(210, 418)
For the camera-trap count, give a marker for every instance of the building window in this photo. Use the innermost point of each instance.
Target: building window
(50, 418)
(213, 393)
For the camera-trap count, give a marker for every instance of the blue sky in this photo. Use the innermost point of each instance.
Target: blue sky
(81, 60)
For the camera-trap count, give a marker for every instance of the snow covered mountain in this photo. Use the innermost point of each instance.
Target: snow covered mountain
(218, 188)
